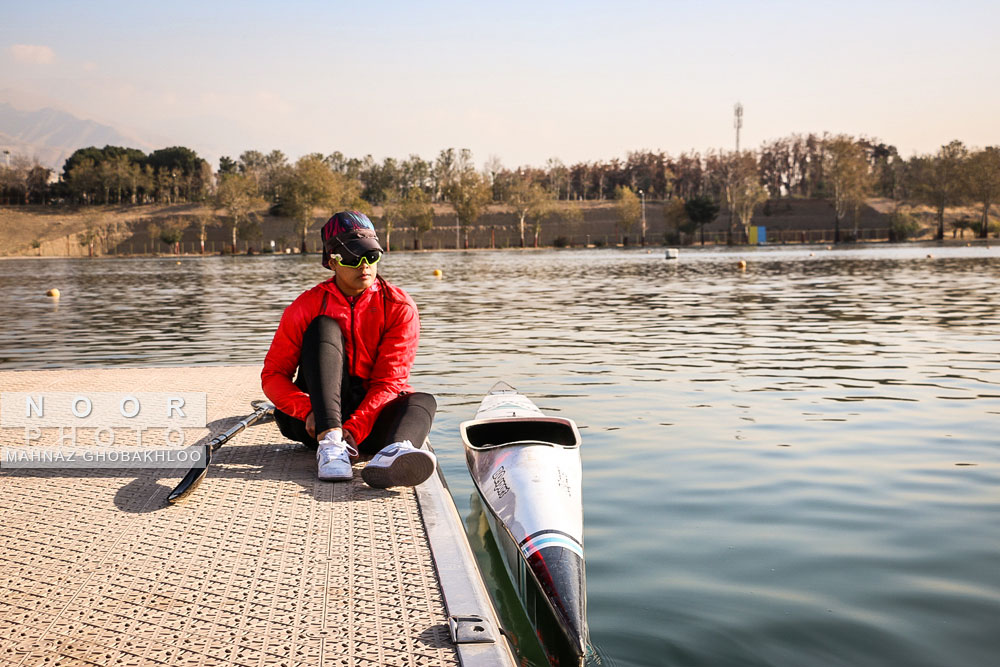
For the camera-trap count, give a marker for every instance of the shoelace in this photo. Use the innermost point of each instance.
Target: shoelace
(328, 452)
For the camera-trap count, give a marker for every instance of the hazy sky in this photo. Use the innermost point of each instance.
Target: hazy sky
(524, 81)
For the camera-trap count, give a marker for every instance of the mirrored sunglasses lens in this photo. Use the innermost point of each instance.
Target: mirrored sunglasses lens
(349, 261)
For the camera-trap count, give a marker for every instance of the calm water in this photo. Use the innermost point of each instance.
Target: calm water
(795, 465)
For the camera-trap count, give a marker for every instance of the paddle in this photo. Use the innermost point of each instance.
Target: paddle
(194, 476)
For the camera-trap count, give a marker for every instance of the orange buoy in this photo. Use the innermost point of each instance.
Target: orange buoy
(54, 293)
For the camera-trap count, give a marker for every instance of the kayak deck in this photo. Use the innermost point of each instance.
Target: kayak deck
(526, 468)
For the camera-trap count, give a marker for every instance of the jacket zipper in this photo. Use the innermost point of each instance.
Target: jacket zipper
(354, 355)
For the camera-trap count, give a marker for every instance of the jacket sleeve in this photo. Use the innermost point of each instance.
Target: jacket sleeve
(391, 371)
(283, 358)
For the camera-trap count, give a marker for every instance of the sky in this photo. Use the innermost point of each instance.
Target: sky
(521, 81)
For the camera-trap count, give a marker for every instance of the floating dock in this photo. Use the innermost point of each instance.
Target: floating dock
(263, 565)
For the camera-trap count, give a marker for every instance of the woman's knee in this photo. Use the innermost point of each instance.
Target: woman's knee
(423, 400)
(324, 330)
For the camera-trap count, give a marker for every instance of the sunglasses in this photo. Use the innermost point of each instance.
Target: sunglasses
(370, 258)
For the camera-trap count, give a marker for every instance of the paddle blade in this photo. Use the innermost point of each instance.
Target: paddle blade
(191, 480)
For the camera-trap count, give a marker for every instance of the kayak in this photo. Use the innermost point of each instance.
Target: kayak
(526, 468)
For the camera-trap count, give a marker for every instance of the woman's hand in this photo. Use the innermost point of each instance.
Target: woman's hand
(311, 425)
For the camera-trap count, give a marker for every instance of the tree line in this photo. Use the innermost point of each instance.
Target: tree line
(694, 187)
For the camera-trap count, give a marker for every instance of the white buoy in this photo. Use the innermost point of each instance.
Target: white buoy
(672, 253)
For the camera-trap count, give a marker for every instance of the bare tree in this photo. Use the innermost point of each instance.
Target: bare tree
(392, 215)
(492, 170)
(200, 224)
(558, 176)
(739, 181)
(447, 167)
(237, 194)
(744, 192)
(309, 185)
(529, 201)
(983, 178)
(776, 167)
(469, 194)
(938, 179)
(418, 213)
(848, 172)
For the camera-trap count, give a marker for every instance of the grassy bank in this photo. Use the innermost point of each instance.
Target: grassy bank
(49, 231)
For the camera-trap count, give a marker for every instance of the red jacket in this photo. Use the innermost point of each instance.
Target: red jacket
(381, 331)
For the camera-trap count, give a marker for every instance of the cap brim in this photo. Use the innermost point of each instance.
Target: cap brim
(361, 246)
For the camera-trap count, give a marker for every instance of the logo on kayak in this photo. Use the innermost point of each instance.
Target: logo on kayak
(500, 482)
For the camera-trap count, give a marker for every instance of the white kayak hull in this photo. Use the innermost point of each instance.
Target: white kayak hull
(526, 467)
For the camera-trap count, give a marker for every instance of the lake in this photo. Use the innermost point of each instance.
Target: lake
(795, 464)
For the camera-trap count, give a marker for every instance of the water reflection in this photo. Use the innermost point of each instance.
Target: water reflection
(796, 464)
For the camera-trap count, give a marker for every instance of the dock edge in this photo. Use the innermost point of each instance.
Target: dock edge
(462, 584)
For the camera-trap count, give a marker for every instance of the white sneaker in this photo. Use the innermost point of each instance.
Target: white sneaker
(333, 458)
(399, 464)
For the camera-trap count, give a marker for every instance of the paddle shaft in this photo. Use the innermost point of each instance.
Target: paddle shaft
(194, 476)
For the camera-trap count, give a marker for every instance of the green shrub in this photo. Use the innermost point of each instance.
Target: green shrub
(903, 226)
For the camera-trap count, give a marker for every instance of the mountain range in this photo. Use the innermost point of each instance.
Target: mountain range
(51, 136)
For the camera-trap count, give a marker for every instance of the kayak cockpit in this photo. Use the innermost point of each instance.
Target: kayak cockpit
(492, 433)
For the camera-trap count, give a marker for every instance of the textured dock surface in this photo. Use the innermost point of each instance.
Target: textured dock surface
(264, 565)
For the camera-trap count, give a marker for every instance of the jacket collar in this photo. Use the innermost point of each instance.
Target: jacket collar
(330, 285)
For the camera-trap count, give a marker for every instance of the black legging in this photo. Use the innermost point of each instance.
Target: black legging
(335, 394)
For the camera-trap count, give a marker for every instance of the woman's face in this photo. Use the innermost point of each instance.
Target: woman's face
(353, 282)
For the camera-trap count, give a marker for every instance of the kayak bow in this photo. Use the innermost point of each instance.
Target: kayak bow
(526, 467)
